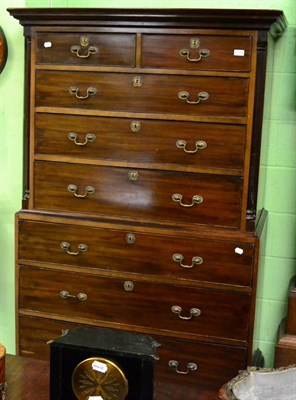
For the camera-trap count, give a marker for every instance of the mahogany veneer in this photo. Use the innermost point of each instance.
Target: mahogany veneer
(142, 149)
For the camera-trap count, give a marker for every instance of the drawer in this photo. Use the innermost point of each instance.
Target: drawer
(84, 49)
(35, 333)
(197, 52)
(166, 257)
(183, 310)
(187, 144)
(216, 364)
(147, 194)
(211, 366)
(189, 95)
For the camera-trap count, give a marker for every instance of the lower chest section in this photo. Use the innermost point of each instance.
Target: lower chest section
(192, 293)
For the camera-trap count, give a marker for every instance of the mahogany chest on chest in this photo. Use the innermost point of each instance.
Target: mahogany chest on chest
(142, 144)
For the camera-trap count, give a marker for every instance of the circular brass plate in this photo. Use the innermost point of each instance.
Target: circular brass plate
(99, 377)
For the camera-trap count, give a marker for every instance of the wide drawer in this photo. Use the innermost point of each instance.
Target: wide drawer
(189, 144)
(138, 193)
(161, 256)
(146, 93)
(216, 364)
(84, 49)
(197, 52)
(183, 310)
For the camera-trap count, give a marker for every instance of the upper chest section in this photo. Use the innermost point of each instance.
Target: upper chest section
(193, 50)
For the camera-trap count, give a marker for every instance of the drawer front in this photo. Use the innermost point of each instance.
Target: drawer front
(209, 313)
(187, 144)
(201, 368)
(197, 52)
(215, 364)
(35, 333)
(97, 49)
(227, 97)
(161, 195)
(136, 253)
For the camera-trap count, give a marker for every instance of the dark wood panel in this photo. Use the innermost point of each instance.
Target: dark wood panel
(141, 141)
(138, 193)
(157, 93)
(224, 53)
(215, 366)
(36, 333)
(109, 49)
(140, 304)
(137, 253)
(176, 18)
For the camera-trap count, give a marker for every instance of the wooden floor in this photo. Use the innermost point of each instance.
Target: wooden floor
(26, 379)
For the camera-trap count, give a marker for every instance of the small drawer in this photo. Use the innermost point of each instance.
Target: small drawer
(85, 49)
(183, 144)
(134, 193)
(143, 93)
(182, 310)
(178, 259)
(197, 52)
(198, 370)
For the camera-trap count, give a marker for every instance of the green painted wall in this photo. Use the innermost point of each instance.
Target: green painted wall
(278, 166)
(11, 126)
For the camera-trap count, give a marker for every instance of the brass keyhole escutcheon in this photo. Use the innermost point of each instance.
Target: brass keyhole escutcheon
(128, 286)
(137, 81)
(133, 175)
(130, 238)
(135, 126)
(84, 41)
(194, 43)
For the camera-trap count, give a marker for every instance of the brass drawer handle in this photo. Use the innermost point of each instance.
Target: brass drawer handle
(91, 91)
(196, 199)
(196, 260)
(89, 137)
(194, 312)
(88, 190)
(82, 248)
(199, 145)
(201, 96)
(190, 367)
(66, 295)
(91, 50)
(203, 53)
